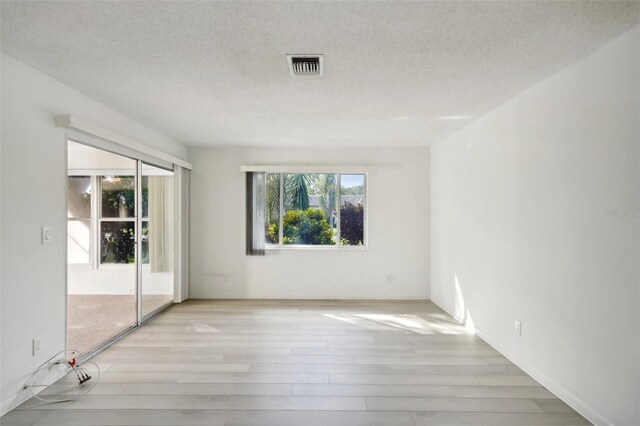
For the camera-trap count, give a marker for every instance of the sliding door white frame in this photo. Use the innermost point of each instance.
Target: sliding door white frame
(180, 212)
(138, 240)
(181, 243)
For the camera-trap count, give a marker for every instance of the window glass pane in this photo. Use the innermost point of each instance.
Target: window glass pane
(272, 206)
(145, 196)
(352, 205)
(79, 241)
(101, 301)
(156, 249)
(79, 196)
(309, 209)
(118, 196)
(145, 242)
(117, 242)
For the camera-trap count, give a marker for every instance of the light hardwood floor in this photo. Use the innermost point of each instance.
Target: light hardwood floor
(304, 363)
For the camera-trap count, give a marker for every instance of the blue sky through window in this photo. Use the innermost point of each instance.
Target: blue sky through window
(349, 181)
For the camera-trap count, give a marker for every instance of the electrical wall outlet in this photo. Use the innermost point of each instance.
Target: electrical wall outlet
(35, 346)
(225, 276)
(45, 235)
(390, 277)
(518, 328)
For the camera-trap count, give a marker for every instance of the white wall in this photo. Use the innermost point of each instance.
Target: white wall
(398, 230)
(519, 220)
(33, 177)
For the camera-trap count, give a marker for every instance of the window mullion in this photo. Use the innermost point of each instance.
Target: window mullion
(96, 210)
(281, 224)
(365, 212)
(339, 185)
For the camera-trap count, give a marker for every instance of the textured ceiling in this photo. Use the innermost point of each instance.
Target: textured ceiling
(396, 73)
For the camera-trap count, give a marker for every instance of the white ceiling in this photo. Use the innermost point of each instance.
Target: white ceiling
(396, 73)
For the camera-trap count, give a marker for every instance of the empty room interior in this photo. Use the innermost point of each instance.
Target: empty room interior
(320, 213)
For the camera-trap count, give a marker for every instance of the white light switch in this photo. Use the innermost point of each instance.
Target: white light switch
(46, 235)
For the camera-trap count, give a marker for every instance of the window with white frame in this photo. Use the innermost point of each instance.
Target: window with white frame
(103, 227)
(315, 209)
(117, 222)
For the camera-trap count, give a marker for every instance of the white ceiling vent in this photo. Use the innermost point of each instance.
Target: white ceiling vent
(306, 65)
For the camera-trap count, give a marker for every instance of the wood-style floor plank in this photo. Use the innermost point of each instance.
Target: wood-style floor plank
(302, 362)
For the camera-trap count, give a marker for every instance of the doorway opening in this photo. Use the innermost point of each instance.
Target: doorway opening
(120, 244)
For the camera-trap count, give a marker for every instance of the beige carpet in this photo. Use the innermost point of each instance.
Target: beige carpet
(94, 319)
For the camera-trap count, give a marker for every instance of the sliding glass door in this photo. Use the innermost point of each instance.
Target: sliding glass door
(120, 244)
(156, 266)
(101, 234)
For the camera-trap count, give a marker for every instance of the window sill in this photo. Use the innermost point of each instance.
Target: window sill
(321, 248)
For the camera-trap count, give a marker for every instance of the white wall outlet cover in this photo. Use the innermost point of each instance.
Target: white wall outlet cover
(518, 328)
(46, 235)
(35, 346)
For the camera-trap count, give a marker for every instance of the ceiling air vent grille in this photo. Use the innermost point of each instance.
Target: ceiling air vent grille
(306, 65)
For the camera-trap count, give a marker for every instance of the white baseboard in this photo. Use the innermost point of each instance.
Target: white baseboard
(558, 390)
(25, 394)
(12, 403)
(332, 298)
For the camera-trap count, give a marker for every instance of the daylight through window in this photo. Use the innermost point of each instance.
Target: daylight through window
(315, 209)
